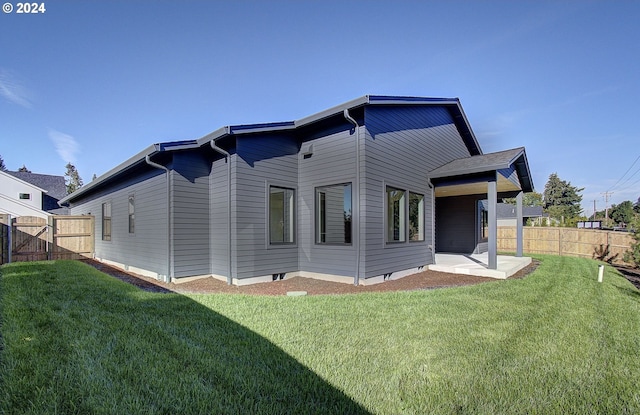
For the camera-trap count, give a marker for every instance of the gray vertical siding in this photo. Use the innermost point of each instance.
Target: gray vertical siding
(259, 162)
(402, 145)
(147, 247)
(191, 214)
(332, 162)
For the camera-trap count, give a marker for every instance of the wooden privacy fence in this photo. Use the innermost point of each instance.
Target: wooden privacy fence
(586, 243)
(29, 238)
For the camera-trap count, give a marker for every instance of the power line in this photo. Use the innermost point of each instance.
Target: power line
(625, 173)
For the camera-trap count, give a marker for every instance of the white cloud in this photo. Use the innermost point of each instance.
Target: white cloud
(12, 90)
(66, 146)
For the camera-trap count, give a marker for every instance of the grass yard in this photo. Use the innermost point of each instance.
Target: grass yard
(557, 342)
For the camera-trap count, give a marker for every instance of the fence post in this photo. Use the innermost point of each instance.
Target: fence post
(559, 242)
(50, 237)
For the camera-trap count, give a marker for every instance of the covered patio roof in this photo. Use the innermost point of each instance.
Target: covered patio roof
(469, 175)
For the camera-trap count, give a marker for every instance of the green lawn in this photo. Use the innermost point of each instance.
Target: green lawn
(557, 342)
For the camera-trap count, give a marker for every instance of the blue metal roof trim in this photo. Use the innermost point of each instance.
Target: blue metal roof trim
(387, 98)
(170, 144)
(262, 126)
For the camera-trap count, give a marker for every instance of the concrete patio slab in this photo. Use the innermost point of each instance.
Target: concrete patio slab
(477, 264)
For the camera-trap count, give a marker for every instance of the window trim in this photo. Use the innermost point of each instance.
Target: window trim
(293, 220)
(403, 228)
(317, 214)
(107, 237)
(421, 218)
(131, 206)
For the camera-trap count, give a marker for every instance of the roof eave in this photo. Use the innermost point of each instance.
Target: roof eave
(149, 151)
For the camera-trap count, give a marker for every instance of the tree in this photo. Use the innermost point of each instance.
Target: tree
(622, 213)
(633, 255)
(73, 179)
(2, 166)
(561, 200)
(24, 169)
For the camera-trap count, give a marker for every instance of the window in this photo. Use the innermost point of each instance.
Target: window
(333, 214)
(25, 196)
(106, 221)
(132, 214)
(416, 217)
(484, 219)
(396, 215)
(281, 214)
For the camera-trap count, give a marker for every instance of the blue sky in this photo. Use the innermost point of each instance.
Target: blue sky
(94, 82)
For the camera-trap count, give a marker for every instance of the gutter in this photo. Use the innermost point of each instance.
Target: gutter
(356, 279)
(228, 162)
(169, 242)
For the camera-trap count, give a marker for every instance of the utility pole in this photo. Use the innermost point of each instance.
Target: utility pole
(606, 207)
(594, 209)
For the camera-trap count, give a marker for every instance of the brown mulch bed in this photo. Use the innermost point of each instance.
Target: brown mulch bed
(422, 281)
(633, 275)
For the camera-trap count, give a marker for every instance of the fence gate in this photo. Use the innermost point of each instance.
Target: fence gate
(29, 238)
(5, 221)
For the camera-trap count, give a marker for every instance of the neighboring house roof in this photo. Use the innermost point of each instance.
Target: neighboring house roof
(334, 114)
(468, 168)
(508, 211)
(7, 200)
(20, 180)
(54, 188)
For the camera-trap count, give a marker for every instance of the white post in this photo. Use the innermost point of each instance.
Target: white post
(600, 272)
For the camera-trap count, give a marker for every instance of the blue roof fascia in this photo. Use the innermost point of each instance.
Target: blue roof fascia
(387, 99)
(176, 145)
(255, 128)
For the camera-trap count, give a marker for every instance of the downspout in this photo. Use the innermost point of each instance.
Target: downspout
(433, 220)
(228, 162)
(356, 279)
(169, 242)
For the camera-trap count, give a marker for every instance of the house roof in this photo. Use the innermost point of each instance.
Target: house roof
(54, 186)
(452, 104)
(476, 169)
(508, 211)
(18, 179)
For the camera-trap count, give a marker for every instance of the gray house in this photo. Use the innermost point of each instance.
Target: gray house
(362, 192)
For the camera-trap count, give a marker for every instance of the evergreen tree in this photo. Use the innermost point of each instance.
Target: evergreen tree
(561, 200)
(73, 179)
(633, 255)
(622, 213)
(2, 166)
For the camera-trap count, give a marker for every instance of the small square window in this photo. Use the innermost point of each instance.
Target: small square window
(25, 196)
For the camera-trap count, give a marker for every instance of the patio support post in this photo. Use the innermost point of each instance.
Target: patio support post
(492, 196)
(519, 225)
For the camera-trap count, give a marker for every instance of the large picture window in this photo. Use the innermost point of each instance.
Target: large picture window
(106, 221)
(281, 215)
(396, 216)
(333, 214)
(416, 217)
